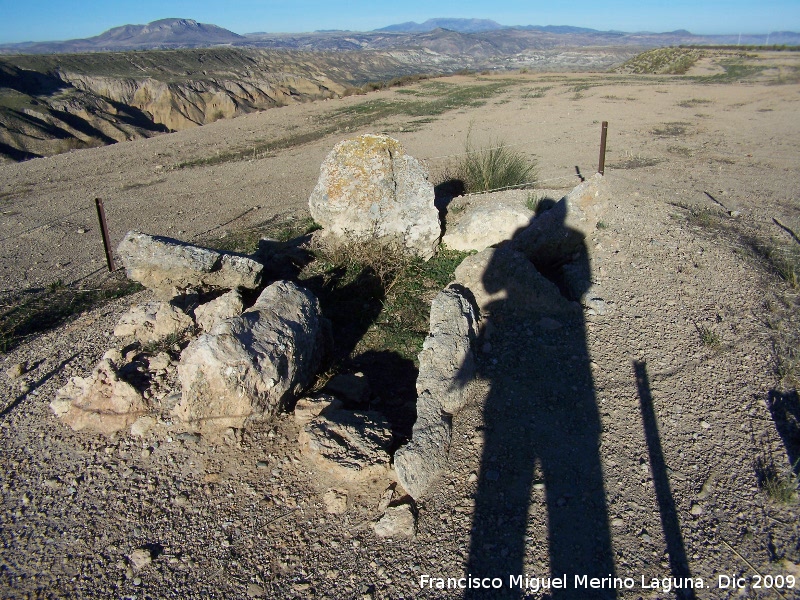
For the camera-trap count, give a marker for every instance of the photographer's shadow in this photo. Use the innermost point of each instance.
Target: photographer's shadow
(541, 424)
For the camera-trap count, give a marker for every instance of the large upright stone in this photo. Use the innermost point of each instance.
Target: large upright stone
(446, 366)
(163, 264)
(447, 360)
(369, 187)
(248, 367)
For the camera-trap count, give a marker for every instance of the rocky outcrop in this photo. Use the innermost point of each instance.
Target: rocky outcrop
(308, 409)
(248, 367)
(369, 188)
(165, 265)
(101, 403)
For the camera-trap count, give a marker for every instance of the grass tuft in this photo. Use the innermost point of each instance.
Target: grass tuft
(781, 485)
(709, 338)
(494, 167)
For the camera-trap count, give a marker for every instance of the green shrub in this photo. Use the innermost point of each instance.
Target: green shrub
(495, 167)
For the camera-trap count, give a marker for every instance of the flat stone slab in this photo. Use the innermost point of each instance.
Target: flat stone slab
(164, 264)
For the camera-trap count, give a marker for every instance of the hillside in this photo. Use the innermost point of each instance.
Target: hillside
(53, 103)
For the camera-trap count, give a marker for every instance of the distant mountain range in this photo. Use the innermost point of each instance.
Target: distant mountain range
(164, 33)
(476, 37)
(460, 25)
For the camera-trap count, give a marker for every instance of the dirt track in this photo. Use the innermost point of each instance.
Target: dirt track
(75, 505)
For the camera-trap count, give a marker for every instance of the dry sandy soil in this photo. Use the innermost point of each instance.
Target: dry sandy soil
(561, 462)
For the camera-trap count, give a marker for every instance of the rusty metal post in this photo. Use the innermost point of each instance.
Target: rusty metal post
(101, 214)
(603, 135)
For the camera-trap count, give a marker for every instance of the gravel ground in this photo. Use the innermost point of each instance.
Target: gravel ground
(616, 444)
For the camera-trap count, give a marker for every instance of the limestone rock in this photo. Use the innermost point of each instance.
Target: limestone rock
(560, 231)
(419, 462)
(335, 501)
(369, 187)
(396, 522)
(17, 370)
(140, 558)
(153, 321)
(226, 306)
(484, 225)
(308, 409)
(249, 366)
(350, 445)
(102, 402)
(501, 278)
(164, 264)
(447, 360)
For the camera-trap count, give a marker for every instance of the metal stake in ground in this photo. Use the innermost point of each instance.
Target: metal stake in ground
(603, 134)
(101, 214)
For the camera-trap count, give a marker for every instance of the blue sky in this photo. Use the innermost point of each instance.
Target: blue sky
(44, 20)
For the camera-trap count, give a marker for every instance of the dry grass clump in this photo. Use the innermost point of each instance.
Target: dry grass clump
(493, 167)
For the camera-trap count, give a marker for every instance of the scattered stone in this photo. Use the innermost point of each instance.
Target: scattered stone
(25, 387)
(335, 501)
(226, 306)
(17, 370)
(396, 522)
(102, 402)
(370, 188)
(250, 366)
(549, 324)
(596, 306)
(353, 389)
(696, 510)
(350, 445)
(307, 409)
(140, 558)
(617, 522)
(482, 225)
(255, 591)
(152, 322)
(386, 498)
(160, 361)
(142, 425)
(473, 477)
(163, 264)
(705, 425)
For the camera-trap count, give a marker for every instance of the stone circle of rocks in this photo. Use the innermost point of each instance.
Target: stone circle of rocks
(247, 363)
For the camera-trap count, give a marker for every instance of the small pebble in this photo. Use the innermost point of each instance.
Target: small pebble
(16, 371)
